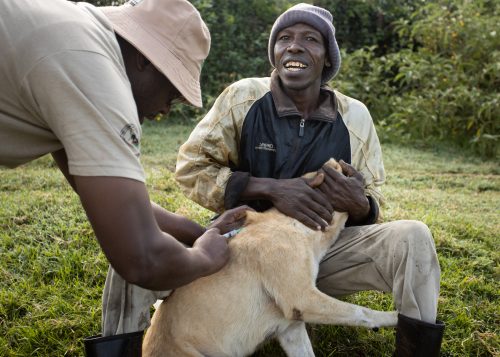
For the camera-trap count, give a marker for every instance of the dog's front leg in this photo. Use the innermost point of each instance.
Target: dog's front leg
(295, 341)
(313, 306)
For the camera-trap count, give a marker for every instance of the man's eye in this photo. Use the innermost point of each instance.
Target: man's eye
(283, 38)
(310, 38)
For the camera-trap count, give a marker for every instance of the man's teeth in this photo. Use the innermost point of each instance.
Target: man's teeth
(295, 66)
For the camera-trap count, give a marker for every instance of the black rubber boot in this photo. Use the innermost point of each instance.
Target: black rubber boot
(416, 338)
(125, 345)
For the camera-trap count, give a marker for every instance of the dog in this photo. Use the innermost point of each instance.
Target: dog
(267, 290)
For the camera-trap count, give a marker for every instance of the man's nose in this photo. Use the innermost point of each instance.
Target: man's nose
(295, 47)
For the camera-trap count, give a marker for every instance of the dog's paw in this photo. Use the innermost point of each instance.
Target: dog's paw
(376, 319)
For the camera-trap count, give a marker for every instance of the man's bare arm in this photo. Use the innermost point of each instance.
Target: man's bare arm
(183, 229)
(122, 217)
(144, 248)
(61, 160)
(187, 231)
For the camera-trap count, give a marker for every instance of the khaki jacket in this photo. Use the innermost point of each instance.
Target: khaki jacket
(202, 169)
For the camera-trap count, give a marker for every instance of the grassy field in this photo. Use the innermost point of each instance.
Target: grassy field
(52, 271)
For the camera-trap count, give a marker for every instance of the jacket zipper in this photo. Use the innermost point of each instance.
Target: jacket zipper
(295, 149)
(301, 126)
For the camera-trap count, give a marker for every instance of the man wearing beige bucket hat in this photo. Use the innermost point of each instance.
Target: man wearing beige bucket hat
(77, 82)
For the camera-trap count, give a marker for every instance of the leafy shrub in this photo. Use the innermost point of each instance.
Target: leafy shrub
(364, 23)
(443, 84)
(239, 31)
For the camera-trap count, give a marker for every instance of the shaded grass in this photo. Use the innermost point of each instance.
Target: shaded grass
(52, 271)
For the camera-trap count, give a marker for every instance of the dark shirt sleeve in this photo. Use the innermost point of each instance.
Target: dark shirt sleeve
(235, 186)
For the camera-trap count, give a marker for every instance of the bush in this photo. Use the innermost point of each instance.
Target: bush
(443, 84)
(364, 23)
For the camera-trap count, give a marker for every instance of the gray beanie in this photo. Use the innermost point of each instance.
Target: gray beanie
(317, 17)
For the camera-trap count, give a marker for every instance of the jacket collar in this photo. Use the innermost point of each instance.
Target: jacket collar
(327, 109)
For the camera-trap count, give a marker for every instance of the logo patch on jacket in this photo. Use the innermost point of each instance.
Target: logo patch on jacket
(134, 2)
(265, 147)
(130, 135)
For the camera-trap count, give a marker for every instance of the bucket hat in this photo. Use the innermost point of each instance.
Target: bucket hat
(169, 33)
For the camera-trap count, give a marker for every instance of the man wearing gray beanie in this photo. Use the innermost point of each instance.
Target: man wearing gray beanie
(263, 134)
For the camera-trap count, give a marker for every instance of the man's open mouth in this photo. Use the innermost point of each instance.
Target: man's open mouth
(295, 66)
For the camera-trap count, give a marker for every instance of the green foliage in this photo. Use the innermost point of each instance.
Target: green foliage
(239, 31)
(364, 23)
(443, 83)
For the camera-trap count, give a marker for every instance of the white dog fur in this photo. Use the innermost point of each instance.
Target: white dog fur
(267, 290)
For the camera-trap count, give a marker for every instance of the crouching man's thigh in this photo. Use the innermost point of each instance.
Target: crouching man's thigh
(376, 257)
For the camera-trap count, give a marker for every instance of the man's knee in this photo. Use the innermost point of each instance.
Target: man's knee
(416, 233)
(415, 241)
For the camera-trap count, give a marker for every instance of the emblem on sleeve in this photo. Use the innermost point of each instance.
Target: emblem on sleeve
(130, 135)
(134, 2)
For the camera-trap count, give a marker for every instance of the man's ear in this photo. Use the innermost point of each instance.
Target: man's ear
(141, 61)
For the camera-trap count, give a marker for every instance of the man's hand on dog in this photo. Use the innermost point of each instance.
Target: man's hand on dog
(298, 198)
(346, 191)
(211, 248)
(231, 219)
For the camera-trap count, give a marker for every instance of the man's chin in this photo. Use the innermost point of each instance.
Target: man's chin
(295, 85)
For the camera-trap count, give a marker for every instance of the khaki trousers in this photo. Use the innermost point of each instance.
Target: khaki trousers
(397, 257)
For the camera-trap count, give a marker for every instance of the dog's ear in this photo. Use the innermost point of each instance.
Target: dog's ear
(334, 165)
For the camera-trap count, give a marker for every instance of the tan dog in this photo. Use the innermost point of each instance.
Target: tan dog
(266, 290)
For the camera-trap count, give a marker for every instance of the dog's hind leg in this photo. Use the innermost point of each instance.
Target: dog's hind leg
(295, 341)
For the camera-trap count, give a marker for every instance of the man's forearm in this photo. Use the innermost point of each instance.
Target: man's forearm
(125, 225)
(183, 229)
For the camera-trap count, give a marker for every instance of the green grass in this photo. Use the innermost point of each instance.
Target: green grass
(52, 271)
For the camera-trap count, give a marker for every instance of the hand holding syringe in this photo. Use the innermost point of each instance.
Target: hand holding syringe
(232, 233)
